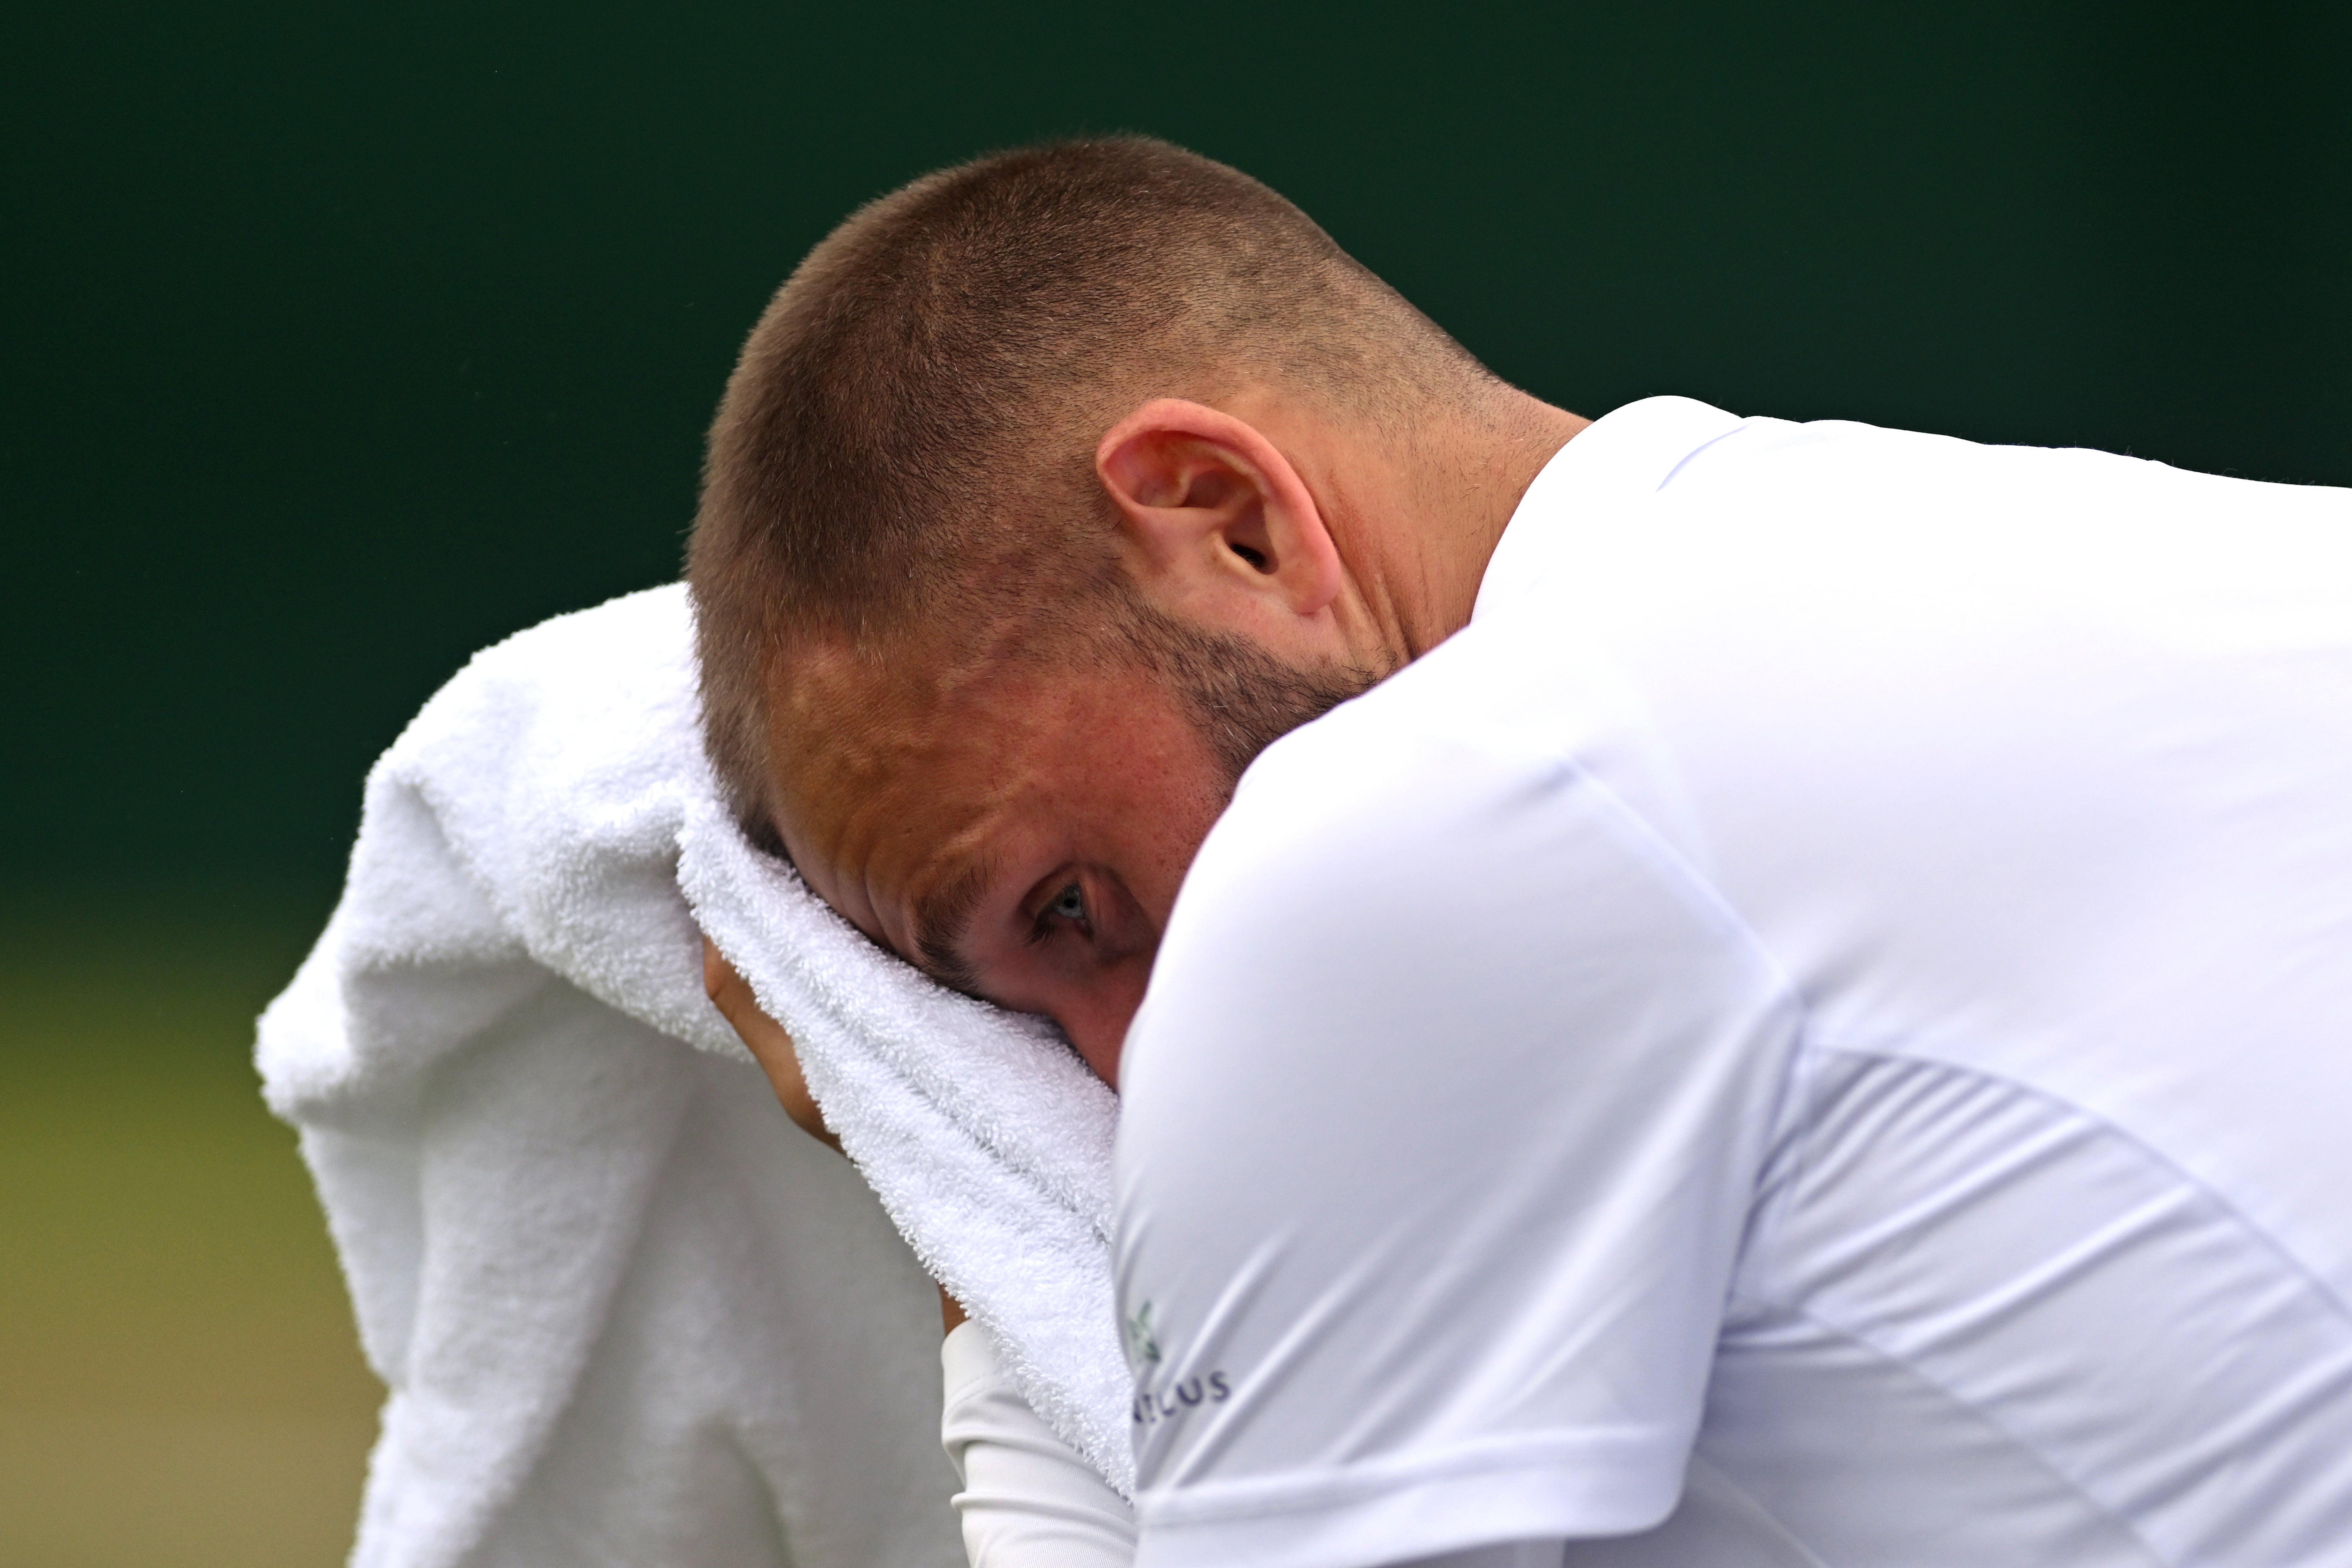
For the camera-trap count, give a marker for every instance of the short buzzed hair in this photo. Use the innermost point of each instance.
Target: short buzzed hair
(908, 441)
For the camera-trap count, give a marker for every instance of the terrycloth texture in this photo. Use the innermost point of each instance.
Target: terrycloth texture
(564, 1229)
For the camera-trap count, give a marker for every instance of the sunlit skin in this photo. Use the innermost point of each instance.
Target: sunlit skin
(1022, 832)
(1064, 808)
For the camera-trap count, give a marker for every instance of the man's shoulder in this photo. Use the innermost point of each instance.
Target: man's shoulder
(1461, 831)
(1480, 738)
(1467, 711)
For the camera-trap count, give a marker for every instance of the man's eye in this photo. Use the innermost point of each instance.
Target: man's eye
(1068, 906)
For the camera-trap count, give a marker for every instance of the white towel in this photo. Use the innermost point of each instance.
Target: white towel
(562, 1228)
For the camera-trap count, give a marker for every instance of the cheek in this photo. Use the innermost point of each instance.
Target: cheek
(1026, 977)
(1095, 1014)
(1091, 1000)
(1168, 836)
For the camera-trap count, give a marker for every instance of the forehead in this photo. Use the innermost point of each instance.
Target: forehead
(893, 772)
(903, 785)
(846, 722)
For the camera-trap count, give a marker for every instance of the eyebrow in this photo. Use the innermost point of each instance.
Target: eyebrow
(942, 918)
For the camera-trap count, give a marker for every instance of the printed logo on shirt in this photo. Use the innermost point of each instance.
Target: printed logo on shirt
(1143, 1344)
(1153, 1407)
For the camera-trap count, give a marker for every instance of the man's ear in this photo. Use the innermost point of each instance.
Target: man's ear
(1217, 514)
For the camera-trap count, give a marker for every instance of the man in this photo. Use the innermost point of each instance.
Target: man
(1802, 1015)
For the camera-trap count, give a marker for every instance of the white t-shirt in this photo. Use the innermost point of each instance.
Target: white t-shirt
(1841, 974)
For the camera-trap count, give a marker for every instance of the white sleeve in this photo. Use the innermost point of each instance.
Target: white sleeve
(1441, 1123)
(1027, 1501)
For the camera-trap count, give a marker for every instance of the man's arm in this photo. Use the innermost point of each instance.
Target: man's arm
(1440, 1133)
(1028, 1502)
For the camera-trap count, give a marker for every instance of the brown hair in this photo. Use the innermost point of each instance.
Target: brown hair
(910, 431)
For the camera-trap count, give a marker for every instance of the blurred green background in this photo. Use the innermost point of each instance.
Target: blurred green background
(341, 341)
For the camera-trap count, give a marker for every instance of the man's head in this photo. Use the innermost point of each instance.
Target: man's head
(1050, 490)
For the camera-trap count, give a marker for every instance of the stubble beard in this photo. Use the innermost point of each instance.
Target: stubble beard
(1240, 697)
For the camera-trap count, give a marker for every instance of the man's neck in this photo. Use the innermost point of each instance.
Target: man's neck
(1464, 488)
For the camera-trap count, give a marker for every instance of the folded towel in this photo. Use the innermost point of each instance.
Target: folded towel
(486, 1056)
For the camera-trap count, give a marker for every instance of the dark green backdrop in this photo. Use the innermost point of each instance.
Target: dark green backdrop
(341, 340)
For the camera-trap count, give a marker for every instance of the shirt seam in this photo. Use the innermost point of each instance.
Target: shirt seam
(2032, 1450)
(1699, 889)
(1685, 460)
(2270, 1243)
(1339, 1488)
